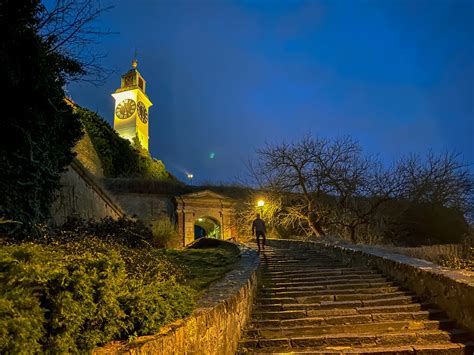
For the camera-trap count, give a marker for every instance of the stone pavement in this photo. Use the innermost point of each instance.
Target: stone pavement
(308, 303)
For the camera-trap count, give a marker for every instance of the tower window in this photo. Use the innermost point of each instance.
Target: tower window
(140, 83)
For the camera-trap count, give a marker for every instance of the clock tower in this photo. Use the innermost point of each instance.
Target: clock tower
(131, 107)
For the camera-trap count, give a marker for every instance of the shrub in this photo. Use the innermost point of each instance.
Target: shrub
(130, 239)
(165, 234)
(426, 224)
(52, 301)
(150, 305)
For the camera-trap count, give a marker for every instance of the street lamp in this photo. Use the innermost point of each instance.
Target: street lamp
(260, 205)
(190, 178)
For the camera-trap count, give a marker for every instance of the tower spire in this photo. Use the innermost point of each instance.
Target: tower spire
(135, 60)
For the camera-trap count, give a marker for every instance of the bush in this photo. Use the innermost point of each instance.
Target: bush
(130, 239)
(93, 282)
(52, 301)
(165, 234)
(426, 224)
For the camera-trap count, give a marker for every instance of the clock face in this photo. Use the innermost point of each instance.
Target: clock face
(142, 112)
(125, 109)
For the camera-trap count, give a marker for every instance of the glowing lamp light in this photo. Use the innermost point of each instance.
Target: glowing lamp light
(200, 219)
(190, 176)
(260, 203)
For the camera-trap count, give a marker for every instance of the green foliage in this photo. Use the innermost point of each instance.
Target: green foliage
(38, 129)
(132, 240)
(116, 154)
(150, 305)
(72, 303)
(204, 266)
(119, 158)
(68, 291)
(165, 233)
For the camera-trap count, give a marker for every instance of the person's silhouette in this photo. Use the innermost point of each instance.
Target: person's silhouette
(259, 230)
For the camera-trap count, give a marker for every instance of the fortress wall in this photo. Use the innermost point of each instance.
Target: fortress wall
(88, 156)
(148, 207)
(81, 196)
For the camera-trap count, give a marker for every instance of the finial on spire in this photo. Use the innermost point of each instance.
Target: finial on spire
(135, 60)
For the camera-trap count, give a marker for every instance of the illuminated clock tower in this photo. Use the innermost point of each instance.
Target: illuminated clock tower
(131, 107)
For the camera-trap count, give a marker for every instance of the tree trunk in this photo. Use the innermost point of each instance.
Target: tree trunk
(352, 230)
(316, 228)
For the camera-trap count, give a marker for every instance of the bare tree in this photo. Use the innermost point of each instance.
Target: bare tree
(331, 186)
(326, 183)
(70, 28)
(363, 187)
(441, 179)
(290, 168)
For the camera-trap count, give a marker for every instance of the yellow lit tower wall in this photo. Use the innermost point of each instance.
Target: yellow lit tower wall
(131, 107)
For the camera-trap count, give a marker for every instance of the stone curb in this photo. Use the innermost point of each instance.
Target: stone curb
(451, 290)
(214, 327)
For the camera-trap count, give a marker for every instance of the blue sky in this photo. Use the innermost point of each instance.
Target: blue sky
(227, 76)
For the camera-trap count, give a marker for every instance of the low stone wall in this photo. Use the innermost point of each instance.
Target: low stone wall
(451, 290)
(215, 326)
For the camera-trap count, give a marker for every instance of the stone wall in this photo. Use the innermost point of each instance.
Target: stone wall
(451, 290)
(87, 156)
(214, 328)
(81, 196)
(148, 207)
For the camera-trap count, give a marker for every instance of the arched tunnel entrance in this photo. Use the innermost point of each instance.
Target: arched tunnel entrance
(205, 213)
(207, 227)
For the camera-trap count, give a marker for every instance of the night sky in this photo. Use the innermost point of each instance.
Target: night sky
(227, 76)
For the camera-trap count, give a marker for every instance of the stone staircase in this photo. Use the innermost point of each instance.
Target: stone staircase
(308, 303)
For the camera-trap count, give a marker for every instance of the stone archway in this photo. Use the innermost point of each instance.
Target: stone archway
(205, 204)
(208, 227)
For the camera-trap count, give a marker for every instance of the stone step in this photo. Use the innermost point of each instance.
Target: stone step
(303, 291)
(315, 274)
(313, 302)
(293, 314)
(264, 297)
(324, 277)
(426, 349)
(310, 303)
(312, 269)
(365, 328)
(328, 295)
(291, 283)
(303, 259)
(433, 314)
(396, 338)
(386, 300)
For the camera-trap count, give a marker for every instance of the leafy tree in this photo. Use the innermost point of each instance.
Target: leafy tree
(38, 129)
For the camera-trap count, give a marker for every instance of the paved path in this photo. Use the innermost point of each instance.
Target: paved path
(309, 303)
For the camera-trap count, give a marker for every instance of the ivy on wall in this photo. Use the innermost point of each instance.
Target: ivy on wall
(118, 156)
